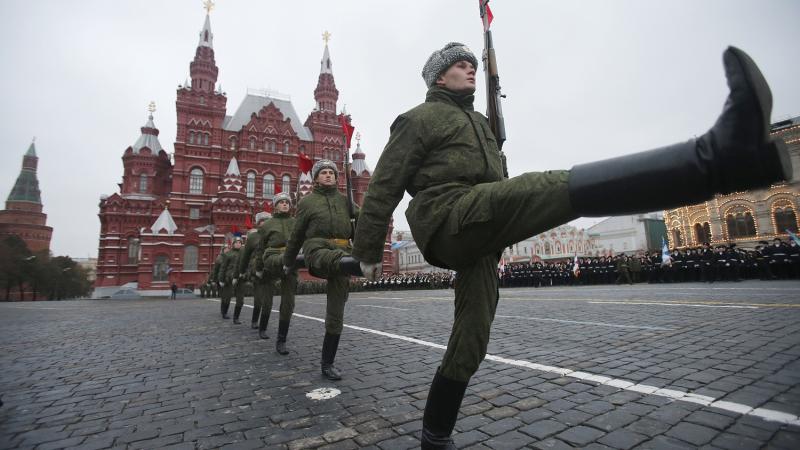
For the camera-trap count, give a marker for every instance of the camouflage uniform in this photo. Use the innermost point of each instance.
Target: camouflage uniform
(323, 230)
(246, 268)
(275, 233)
(463, 213)
(227, 273)
(215, 278)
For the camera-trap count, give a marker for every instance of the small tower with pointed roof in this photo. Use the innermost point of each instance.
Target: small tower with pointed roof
(23, 215)
(146, 165)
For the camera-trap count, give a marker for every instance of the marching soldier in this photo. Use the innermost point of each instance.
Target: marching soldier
(275, 233)
(229, 281)
(464, 212)
(246, 267)
(323, 230)
(216, 280)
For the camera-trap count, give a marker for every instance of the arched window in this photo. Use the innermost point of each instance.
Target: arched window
(286, 147)
(547, 250)
(268, 187)
(785, 219)
(272, 146)
(203, 99)
(191, 137)
(133, 250)
(252, 143)
(702, 232)
(190, 257)
(286, 184)
(558, 247)
(143, 183)
(677, 239)
(205, 138)
(161, 268)
(251, 184)
(196, 181)
(233, 142)
(740, 224)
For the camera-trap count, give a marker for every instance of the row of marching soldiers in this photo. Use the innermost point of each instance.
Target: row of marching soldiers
(768, 261)
(322, 228)
(407, 281)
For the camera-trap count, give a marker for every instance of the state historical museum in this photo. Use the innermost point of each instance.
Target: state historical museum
(171, 218)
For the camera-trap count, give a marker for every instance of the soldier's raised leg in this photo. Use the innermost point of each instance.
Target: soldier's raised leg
(288, 289)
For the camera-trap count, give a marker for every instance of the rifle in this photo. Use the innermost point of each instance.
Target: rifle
(494, 110)
(347, 131)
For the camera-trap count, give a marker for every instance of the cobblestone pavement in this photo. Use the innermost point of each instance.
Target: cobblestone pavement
(663, 367)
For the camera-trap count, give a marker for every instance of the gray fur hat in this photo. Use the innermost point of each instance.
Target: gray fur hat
(263, 215)
(323, 164)
(281, 196)
(441, 60)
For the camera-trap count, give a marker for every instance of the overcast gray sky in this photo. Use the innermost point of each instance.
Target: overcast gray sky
(585, 80)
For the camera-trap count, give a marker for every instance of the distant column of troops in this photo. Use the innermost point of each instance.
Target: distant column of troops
(768, 261)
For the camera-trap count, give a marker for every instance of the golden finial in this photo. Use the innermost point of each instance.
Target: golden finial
(358, 138)
(151, 107)
(208, 5)
(326, 37)
(166, 204)
(33, 140)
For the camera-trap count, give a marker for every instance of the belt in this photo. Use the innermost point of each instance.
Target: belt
(340, 242)
(277, 248)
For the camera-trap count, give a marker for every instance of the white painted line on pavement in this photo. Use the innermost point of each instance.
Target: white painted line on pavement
(383, 307)
(763, 413)
(673, 304)
(600, 324)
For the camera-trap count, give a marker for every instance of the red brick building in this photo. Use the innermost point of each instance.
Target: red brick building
(172, 216)
(23, 214)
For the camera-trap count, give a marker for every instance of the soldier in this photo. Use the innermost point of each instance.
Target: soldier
(229, 281)
(246, 267)
(216, 280)
(623, 266)
(275, 233)
(323, 229)
(464, 212)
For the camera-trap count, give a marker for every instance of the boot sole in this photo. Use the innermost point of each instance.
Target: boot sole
(776, 160)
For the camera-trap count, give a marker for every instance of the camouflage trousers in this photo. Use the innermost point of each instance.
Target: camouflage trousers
(324, 263)
(518, 208)
(273, 271)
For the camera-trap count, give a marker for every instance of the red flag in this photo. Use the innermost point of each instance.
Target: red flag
(347, 129)
(278, 187)
(305, 163)
(248, 222)
(487, 19)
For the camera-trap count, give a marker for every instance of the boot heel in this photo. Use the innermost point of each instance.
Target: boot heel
(779, 163)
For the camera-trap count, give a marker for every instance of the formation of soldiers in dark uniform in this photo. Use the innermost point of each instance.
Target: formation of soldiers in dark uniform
(407, 281)
(767, 261)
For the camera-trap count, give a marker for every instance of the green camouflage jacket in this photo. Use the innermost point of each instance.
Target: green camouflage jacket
(321, 216)
(248, 254)
(227, 270)
(436, 151)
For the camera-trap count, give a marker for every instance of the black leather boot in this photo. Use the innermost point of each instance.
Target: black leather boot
(350, 266)
(262, 327)
(223, 306)
(236, 311)
(283, 331)
(441, 412)
(736, 154)
(329, 346)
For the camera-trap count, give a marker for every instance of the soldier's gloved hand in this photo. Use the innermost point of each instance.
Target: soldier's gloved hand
(235, 280)
(259, 274)
(287, 270)
(370, 271)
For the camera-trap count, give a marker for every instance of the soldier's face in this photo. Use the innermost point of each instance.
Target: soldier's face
(326, 177)
(282, 206)
(460, 77)
(237, 244)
